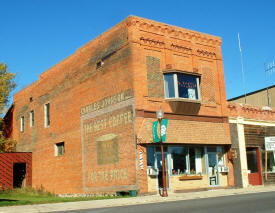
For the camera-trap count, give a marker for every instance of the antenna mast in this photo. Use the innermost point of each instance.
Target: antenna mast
(268, 69)
(242, 68)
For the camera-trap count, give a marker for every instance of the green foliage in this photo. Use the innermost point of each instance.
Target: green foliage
(7, 84)
(7, 144)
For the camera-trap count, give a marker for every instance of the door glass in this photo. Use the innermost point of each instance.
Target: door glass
(213, 167)
(252, 164)
(212, 162)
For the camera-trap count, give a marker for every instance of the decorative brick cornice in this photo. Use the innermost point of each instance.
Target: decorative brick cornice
(181, 48)
(172, 31)
(251, 112)
(206, 53)
(149, 41)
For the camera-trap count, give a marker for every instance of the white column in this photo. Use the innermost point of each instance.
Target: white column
(242, 149)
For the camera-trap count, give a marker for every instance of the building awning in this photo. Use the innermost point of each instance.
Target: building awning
(188, 132)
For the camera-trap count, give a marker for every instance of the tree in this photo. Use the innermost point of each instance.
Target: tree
(7, 84)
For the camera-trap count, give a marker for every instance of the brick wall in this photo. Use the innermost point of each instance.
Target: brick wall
(69, 86)
(250, 112)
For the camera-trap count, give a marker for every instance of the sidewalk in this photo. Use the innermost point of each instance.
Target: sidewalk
(133, 200)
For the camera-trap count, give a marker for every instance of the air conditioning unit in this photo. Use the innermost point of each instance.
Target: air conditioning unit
(152, 171)
(224, 169)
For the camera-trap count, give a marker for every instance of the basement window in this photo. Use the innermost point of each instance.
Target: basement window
(22, 124)
(59, 149)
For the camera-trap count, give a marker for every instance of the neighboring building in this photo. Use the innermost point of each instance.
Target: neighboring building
(250, 127)
(88, 120)
(260, 98)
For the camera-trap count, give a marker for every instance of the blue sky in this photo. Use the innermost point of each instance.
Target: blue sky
(37, 34)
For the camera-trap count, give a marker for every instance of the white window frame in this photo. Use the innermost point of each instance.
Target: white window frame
(47, 115)
(176, 88)
(31, 118)
(22, 124)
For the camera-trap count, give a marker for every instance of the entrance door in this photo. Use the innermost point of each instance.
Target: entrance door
(253, 166)
(19, 173)
(159, 166)
(213, 173)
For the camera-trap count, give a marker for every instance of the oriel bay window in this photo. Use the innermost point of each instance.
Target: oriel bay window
(181, 86)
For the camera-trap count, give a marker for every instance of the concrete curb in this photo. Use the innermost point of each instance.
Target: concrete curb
(93, 204)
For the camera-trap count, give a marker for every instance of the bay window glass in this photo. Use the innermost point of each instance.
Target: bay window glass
(169, 85)
(179, 85)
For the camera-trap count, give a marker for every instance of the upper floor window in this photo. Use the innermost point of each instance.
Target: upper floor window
(22, 124)
(31, 118)
(180, 85)
(59, 149)
(47, 115)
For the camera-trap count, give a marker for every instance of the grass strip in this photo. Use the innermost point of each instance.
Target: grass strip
(29, 196)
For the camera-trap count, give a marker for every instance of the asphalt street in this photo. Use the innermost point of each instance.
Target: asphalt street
(251, 203)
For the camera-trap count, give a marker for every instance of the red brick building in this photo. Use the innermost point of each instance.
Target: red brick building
(88, 119)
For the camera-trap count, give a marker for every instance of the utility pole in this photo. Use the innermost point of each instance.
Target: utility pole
(270, 68)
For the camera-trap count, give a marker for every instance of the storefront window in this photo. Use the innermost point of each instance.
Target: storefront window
(270, 162)
(159, 150)
(186, 160)
(199, 160)
(178, 158)
(192, 160)
(150, 156)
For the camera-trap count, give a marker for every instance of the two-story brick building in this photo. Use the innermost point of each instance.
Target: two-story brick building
(88, 119)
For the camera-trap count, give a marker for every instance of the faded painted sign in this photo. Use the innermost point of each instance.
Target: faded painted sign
(108, 175)
(108, 101)
(107, 149)
(108, 141)
(113, 120)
